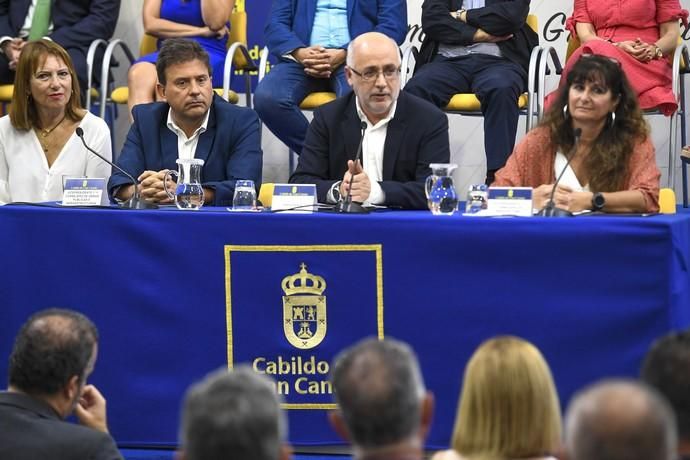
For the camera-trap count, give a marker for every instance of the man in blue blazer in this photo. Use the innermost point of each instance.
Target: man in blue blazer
(192, 123)
(403, 134)
(75, 24)
(309, 38)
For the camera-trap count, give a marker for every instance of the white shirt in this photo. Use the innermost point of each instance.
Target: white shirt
(372, 152)
(569, 178)
(24, 171)
(186, 146)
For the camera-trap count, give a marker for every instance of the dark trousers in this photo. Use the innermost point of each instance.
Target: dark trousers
(279, 94)
(497, 83)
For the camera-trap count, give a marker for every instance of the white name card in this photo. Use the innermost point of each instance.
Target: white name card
(510, 201)
(82, 191)
(294, 198)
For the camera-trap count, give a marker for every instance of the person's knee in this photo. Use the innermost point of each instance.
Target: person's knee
(269, 98)
(142, 72)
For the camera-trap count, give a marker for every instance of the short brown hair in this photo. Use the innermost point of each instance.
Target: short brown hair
(23, 115)
(179, 50)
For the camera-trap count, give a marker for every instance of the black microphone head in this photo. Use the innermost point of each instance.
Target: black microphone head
(363, 125)
(79, 131)
(577, 132)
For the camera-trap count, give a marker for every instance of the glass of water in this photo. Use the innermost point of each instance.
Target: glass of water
(477, 198)
(244, 198)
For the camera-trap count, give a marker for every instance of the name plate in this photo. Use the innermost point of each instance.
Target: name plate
(82, 191)
(510, 201)
(294, 198)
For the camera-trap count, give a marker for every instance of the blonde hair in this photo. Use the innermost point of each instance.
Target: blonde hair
(509, 406)
(23, 114)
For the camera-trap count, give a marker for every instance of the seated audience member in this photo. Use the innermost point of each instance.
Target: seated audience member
(667, 368)
(309, 39)
(233, 414)
(404, 134)
(53, 355)
(640, 34)
(481, 47)
(612, 167)
(72, 24)
(384, 410)
(192, 123)
(619, 420)
(509, 407)
(38, 141)
(204, 21)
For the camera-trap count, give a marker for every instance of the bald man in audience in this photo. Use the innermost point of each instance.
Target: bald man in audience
(385, 410)
(667, 368)
(233, 415)
(620, 420)
(53, 356)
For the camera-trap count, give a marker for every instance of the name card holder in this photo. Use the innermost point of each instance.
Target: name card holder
(510, 201)
(294, 198)
(83, 191)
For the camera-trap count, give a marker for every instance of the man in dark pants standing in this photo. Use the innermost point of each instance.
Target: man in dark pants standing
(481, 47)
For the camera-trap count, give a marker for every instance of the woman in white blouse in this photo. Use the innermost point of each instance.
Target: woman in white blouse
(38, 143)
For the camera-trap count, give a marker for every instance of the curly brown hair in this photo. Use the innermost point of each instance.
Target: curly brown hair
(607, 163)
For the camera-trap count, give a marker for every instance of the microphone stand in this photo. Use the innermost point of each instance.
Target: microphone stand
(346, 205)
(550, 209)
(135, 201)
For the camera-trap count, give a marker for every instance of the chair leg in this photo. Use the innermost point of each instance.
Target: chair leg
(291, 162)
(684, 166)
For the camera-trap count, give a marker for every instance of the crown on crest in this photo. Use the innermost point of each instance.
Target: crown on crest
(303, 283)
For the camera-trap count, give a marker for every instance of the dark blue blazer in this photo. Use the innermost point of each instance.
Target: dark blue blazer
(76, 23)
(417, 136)
(290, 22)
(230, 147)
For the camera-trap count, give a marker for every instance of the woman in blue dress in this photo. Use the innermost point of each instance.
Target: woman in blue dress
(205, 21)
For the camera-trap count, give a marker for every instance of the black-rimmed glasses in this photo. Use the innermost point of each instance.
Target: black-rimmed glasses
(389, 73)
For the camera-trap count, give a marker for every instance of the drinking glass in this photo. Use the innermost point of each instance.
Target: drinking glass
(244, 198)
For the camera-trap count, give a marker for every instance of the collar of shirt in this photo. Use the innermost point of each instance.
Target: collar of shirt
(372, 152)
(186, 146)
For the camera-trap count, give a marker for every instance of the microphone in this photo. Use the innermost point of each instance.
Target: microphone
(346, 205)
(135, 201)
(550, 209)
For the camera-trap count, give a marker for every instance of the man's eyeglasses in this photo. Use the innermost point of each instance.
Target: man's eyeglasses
(389, 73)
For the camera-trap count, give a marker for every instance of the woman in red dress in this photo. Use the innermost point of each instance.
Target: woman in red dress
(640, 34)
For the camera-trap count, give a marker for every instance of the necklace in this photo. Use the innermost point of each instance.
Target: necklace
(45, 132)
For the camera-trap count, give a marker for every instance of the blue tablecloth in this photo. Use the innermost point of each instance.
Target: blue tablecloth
(177, 294)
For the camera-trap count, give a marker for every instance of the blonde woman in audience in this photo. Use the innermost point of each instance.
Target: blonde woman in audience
(204, 21)
(509, 407)
(38, 141)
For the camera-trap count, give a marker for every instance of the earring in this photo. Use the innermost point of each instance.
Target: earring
(613, 119)
(565, 112)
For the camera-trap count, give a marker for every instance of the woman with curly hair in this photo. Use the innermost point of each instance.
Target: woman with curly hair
(612, 167)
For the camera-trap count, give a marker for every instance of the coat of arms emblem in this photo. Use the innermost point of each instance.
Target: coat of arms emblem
(304, 309)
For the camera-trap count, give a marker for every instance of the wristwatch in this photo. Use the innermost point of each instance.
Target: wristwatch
(458, 14)
(598, 202)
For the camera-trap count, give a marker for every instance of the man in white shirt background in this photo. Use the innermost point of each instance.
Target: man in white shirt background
(73, 24)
